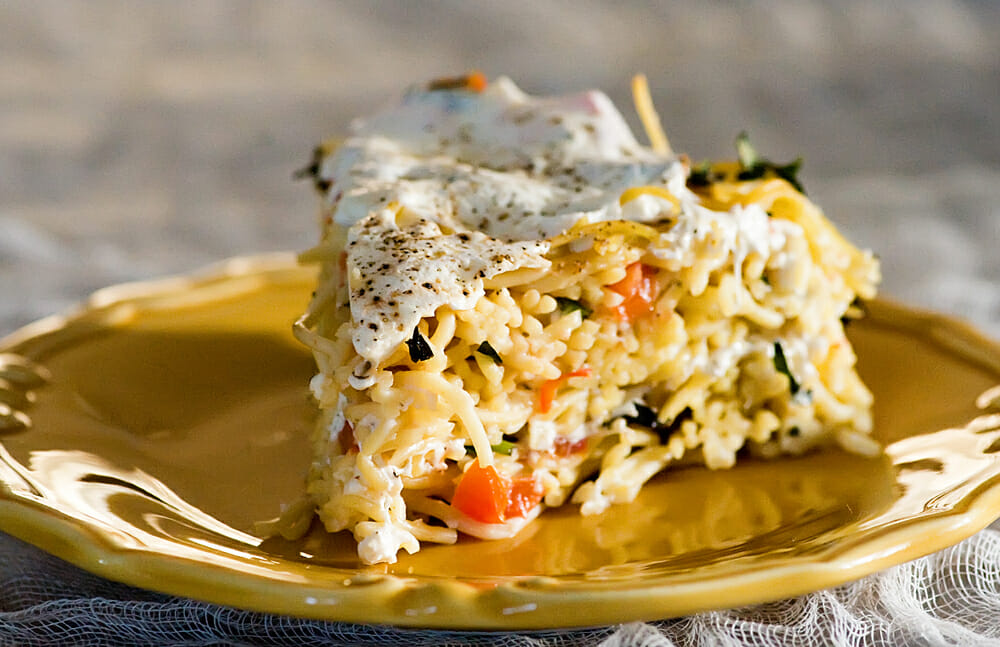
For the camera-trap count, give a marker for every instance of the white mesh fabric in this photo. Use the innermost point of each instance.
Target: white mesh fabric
(949, 598)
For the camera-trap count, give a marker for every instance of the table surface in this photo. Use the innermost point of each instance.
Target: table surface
(144, 139)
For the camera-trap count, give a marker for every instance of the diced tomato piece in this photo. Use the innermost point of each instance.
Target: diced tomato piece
(482, 494)
(565, 448)
(547, 392)
(631, 282)
(525, 493)
(640, 290)
(477, 82)
(348, 443)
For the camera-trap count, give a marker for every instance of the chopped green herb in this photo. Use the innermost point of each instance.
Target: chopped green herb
(794, 432)
(856, 310)
(487, 350)
(753, 166)
(790, 173)
(700, 174)
(781, 365)
(746, 153)
(504, 447)
(566, 306)
(420, 348)
(310, 170)
(646, 417)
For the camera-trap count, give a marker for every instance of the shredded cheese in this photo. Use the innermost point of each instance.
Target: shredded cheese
(647, 114)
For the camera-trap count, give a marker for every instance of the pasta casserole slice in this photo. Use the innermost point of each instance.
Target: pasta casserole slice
(521, 307)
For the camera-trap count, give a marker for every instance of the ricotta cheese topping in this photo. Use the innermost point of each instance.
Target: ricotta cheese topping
(398, 274)
(445, 188)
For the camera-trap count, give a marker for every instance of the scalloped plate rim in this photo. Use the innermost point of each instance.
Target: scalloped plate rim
(479, 604)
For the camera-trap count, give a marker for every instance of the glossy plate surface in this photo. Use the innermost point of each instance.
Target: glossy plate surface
(146, 434)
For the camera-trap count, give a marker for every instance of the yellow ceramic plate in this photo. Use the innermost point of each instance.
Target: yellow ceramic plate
(147, 433)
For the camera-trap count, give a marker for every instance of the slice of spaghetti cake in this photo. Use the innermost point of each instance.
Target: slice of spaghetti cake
(520, 306)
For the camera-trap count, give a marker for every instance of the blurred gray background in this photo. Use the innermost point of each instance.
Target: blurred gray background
(144, 138)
